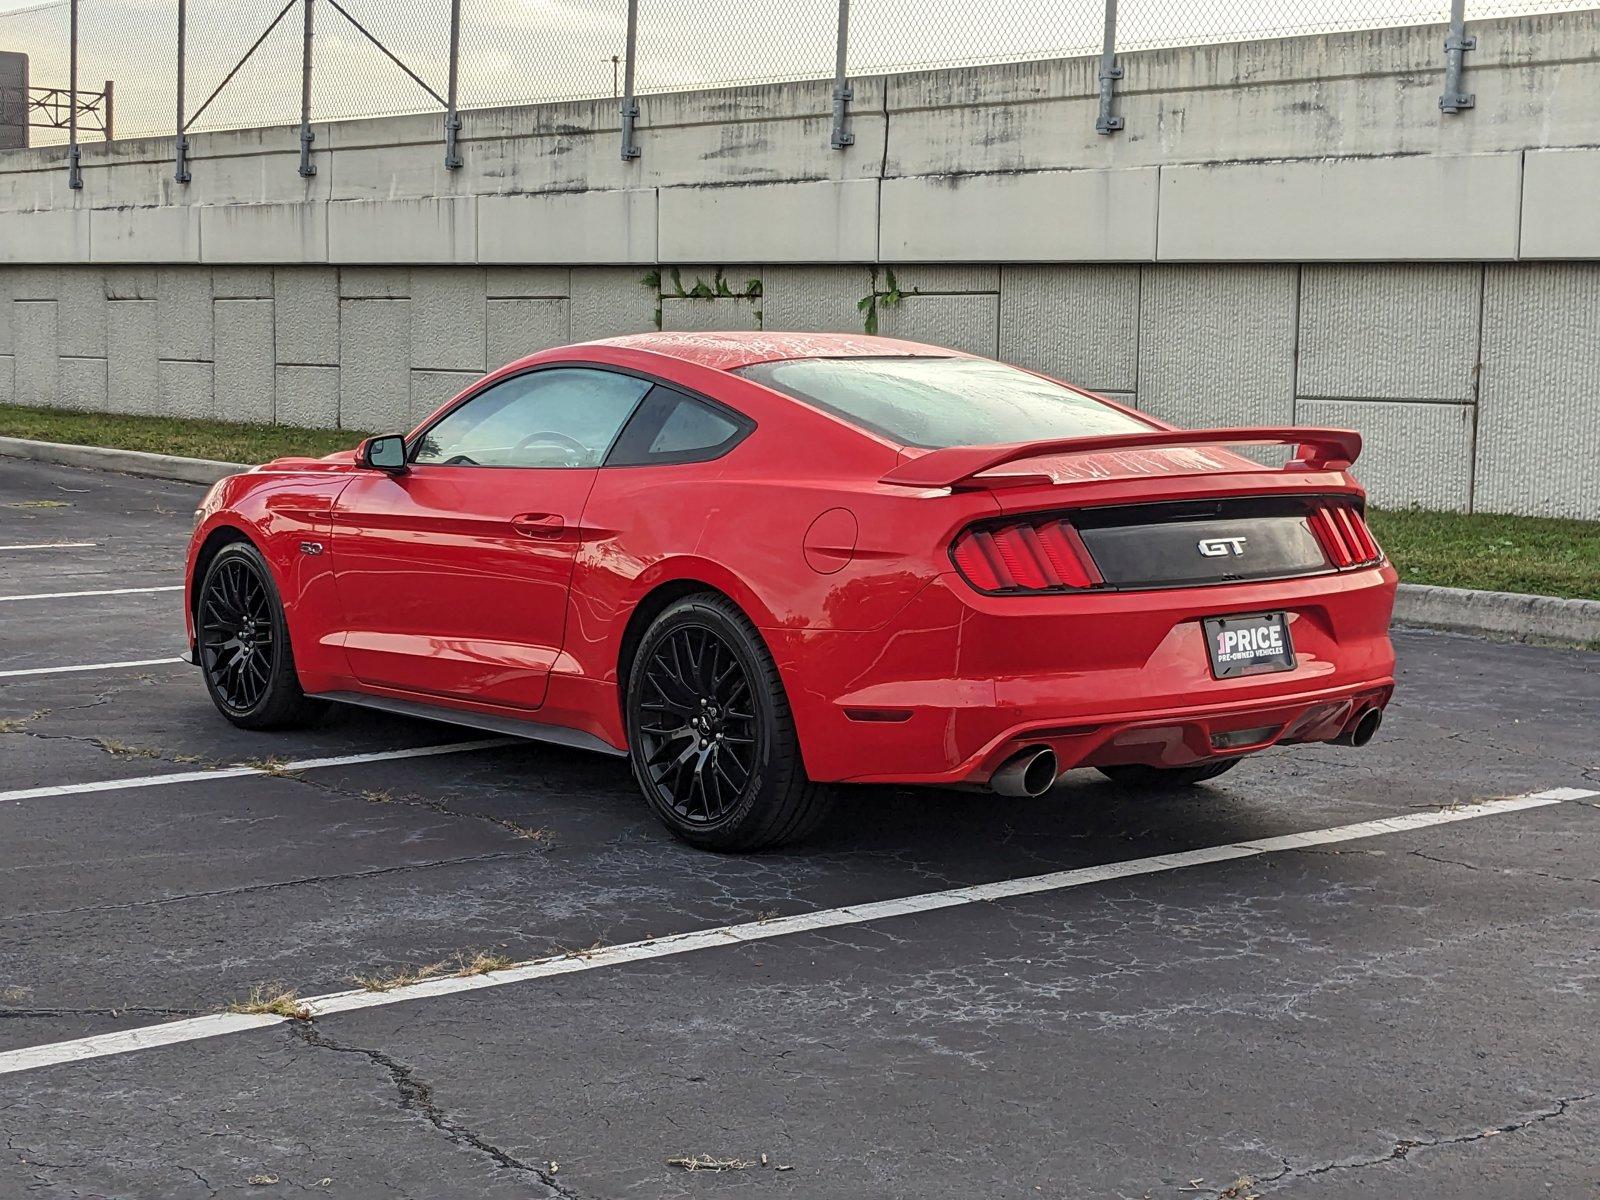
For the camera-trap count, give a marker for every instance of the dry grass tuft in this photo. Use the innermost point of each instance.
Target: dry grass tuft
(481, 963)
(463, 964)
(705, 1162)
(123, 749)
(1240, 1189)
(272, 1000)
(270, 765)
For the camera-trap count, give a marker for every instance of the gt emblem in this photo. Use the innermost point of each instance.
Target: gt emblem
(1221, 547)
(310, 547)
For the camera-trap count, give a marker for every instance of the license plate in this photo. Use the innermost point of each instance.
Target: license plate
(1249, 645)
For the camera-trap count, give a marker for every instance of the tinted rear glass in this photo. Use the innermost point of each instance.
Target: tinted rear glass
(938, 402)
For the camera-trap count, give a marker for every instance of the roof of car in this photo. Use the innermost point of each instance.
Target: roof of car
(727, 351)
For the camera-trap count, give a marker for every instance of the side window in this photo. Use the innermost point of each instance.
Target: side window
(671, 427)
(561, 417)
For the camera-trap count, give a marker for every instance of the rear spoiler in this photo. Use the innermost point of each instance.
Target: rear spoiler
(1316, 450)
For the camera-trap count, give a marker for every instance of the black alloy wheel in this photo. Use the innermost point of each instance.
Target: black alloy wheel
(243, 645)
(710, 734)
(237, 648)
(699, 725)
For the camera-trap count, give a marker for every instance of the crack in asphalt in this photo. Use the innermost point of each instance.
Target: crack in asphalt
(1508, 871)
(119, 1011)
(416, 1096)
(277, 885)
(1403, 1148)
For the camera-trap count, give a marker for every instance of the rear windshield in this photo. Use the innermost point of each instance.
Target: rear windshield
(935, 402)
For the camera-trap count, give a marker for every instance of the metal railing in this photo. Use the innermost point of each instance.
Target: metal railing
(295, 62)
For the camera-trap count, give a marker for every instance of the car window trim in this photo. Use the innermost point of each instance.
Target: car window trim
(743, 427)
(414, 440)
(746, 423)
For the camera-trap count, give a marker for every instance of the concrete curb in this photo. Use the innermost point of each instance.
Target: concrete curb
(1504, 614)
(1501, 614)
(129, 462)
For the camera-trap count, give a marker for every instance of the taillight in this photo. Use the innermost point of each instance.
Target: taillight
(1345, 538)
(1042, 555)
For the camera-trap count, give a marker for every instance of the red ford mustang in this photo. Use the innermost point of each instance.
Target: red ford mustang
(759, 564)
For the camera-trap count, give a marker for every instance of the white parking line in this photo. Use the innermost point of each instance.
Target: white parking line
(110, 666)
(299, 764)
(176, 587)
(193, 1029)
(49, 546)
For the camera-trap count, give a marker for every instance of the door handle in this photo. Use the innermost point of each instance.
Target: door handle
(539, 525)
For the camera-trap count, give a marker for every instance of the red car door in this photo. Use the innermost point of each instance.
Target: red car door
(453, 574)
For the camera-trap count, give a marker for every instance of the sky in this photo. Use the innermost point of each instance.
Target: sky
(518, 51)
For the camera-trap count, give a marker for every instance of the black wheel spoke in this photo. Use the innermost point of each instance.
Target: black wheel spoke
(238, 649)
(695, 724)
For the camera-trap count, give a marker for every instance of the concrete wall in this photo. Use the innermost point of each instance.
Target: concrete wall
(1475, 384)
(1284, 231)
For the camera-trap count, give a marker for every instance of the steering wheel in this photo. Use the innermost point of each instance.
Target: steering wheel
(560, 441)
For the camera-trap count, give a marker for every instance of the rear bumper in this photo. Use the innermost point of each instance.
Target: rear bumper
(959, 681)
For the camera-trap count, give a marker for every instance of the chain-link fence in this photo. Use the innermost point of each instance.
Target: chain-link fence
(244, 64)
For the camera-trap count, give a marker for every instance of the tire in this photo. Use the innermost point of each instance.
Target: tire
(1141, 776)
(243, 645)
(710, 733)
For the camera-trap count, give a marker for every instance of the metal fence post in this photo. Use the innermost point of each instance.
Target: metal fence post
(1456, 44)
(842, 92)
(307, 167)
(1107, 121)
(74, 175)
(630, 107)
(180, 144)
(452, 118)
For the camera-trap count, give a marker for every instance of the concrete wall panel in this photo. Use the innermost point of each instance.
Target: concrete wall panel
(1412, 454)
(1346, 210)
(960, 322)
(1216, 345)
(374, 383)
(1050, 216)
(441, 229)
(168, 234)
(245, 365)
(308, 396)
(81, 314)
(129, 283)
(568, 228)
(48, 236)
(264, 233)
(8, 379)
(35, 322)
(691, 314)
(822, 221)
(448, 319)
(1538, 437)
(609, 302)
(8, 291)
(183, 314)
(1080, 324)
(1402, 332)
(185, 389)
(1561, 204)
(375, 283)
(521, 327)
(814, 299)
(131, 384)
(82, 384)
(242, 283)
(306, 312)
(528, 282)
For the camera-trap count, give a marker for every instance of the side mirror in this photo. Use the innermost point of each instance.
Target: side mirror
(386, 452)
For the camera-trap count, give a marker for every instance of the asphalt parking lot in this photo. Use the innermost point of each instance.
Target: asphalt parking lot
(1404, 1009)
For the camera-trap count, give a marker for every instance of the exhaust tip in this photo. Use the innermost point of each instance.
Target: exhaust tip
(1363, 729)
(1031, 772)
